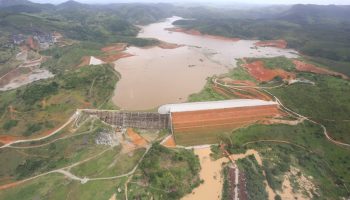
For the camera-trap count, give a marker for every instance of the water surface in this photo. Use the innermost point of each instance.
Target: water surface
(156, 76)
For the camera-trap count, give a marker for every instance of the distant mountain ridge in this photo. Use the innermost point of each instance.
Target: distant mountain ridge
(8, 3)
(71, 4)
(310, 13)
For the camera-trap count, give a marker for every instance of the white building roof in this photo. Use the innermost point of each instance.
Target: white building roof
(212, 105)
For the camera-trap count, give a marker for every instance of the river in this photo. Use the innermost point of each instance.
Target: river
(156, 76)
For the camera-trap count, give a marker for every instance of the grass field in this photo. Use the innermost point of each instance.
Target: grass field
(327, 102)
(56, 187)
(112, 163)
(28, 162)
(163, 170)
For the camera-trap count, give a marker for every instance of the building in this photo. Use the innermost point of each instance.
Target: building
(18, 39)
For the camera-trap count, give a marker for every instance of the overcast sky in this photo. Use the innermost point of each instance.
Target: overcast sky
(324, 2)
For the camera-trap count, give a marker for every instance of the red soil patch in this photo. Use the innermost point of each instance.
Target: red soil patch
(262, 74)
(10, 185)
(251, 93)
(5, 139)
(306, 67)
(114, 57)
(31, 43)
(136, 138)
(86, 104)
(242, 95)
(115, 47)
(84, 61)
(221, 119)
(197, 33)
(222, 91)
(170, 142)
(282, 44)
(245, 93)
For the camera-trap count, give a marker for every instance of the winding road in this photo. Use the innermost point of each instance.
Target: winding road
(329, 138)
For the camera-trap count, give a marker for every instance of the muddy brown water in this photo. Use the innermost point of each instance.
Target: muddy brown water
(156, 76)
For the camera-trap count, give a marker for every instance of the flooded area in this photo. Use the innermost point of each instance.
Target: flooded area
(211, 174)
(156, 76)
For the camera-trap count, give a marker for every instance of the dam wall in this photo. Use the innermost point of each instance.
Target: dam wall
(141, 120)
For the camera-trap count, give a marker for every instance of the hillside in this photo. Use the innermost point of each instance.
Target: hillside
(7, 3)
(80, 86)
(318, 31)
(310, 14)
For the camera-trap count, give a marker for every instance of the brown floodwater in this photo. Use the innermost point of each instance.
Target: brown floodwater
(211, 174)
(156, 76)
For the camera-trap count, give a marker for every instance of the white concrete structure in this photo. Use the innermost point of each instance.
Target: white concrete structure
(95, 61)
(212, 105)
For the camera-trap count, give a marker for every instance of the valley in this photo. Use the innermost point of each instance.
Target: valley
(174, 101)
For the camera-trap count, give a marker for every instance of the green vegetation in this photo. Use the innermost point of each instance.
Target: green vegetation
(69, 57)
(276, 63)
(9, 124)
(35, 92)
(206, 94)
(165, 174)
(28, 162)
(112, 163)
(239, 73)
(255, 178)
(226, 185)
(317, 31)
(310, 152)
(315, 156)
(32, 128)
(209, 94)
(327, 102)
(47, 104)
(57, 187)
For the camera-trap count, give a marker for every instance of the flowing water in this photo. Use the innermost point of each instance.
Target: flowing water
(156, 76)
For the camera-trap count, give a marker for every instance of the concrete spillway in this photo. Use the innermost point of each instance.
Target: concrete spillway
(141, 120)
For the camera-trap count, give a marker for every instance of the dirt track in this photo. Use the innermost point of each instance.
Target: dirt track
(289, 111)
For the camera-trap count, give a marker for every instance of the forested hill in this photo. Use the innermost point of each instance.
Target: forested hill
(78, 21)
(309, 14)
(319, 31)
